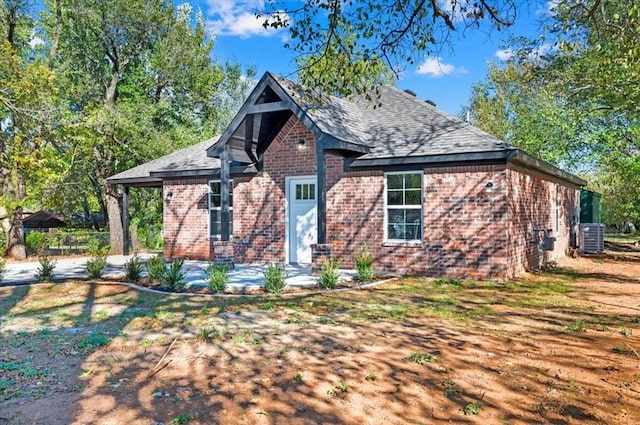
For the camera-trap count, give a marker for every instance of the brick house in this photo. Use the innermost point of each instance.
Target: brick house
(298, 175)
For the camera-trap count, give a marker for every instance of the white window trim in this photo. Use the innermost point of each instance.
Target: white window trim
(420, 207)
(210, 208)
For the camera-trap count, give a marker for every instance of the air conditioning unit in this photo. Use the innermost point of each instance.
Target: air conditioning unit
(591, 238)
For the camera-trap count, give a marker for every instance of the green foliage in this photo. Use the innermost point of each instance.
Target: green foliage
(275, 278)
(44, 273)
(94, 340)
(578, 326)
(173, 276)
(217, 277)
(420, 358)
(356, 37)
(364, 264)
(339, 389)
(96, 265)
(472, 409)
(35, 242)
(156, 268)
(330, 275)
(447, 280)
(133, 268)
(181, 419)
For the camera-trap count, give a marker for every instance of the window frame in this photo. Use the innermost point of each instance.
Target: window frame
(213, 208)
(419, 207)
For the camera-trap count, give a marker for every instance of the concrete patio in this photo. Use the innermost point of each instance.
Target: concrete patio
(244, 277)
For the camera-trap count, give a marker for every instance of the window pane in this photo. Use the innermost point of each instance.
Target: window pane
(412, 232)
(394, 197)
(412, 197)
(396, 216)
(395, 231)
(413, 216)
(215, 187)
(412, 181)
(215, 227)
(312, 191)
(394, 181)
(215, 201)
(305, 191)
(298, 191)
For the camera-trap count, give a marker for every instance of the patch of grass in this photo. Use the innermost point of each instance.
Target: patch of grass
(242, 336)
(371, 377)
(451, 388)
(6, 384)
(298, 377)
(473, 409)
(268, 305)
(420, 358)
(275, 278)
(626, 331)
(448, 281)
(338, 390)
(94, 340)
(578, 326)
(181, 419)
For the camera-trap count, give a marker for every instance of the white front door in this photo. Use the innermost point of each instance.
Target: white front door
(303, 220)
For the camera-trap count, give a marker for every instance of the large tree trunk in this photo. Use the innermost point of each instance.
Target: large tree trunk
(116, 235)
(13, 230)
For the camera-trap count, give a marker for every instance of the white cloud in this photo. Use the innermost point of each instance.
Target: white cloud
(505, 54)
(237, 18)
(436, 68)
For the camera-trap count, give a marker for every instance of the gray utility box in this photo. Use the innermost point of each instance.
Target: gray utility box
(591, 238)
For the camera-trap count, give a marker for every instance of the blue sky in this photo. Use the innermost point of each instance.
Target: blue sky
(446, 77)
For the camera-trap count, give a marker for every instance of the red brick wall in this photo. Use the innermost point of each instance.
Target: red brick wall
(468, 231)
(532, 205)
(463, 232)
(186, 219)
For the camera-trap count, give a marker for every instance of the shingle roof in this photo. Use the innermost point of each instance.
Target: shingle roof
(194, 158)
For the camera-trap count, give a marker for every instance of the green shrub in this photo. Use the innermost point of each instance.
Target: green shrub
(133, 268)
(35, 242)
(217, 277)
(156, 268)
(173, 276)
(3, 267)
(96, 265)
(364, 264)
(274, 278)
(95, 248)
(44, 273)
(330, 275)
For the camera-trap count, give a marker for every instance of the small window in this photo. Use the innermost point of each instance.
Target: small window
(403, 212)
(215, 210)
(305, 191)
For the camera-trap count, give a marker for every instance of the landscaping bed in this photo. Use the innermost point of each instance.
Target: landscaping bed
(556, 347)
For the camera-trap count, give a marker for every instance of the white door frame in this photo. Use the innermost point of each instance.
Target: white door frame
(287, 209)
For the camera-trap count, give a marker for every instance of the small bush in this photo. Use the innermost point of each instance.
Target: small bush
(133, 268)
(156, 268)
(94, 340)
(330, 275)
(35, 242)
(274, 278)
(44, 273)
(3, 268)
(217, 277)
(96, 265)
(364, 264)
(173, 276)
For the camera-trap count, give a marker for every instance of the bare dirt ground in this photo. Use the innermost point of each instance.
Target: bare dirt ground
(559, 347)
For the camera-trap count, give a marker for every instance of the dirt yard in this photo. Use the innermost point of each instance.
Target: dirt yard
(561, 347)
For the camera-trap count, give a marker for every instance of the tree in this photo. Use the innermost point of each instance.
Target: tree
(24, 99)
(137, 81)
(390, 32)
(573, 98)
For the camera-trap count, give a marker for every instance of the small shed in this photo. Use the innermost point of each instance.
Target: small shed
(42, 220)
(590, 207)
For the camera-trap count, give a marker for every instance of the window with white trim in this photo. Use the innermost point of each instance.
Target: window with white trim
(215, 207)
(403, 206)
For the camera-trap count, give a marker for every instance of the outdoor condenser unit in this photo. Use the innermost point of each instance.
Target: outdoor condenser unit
(591, 238)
